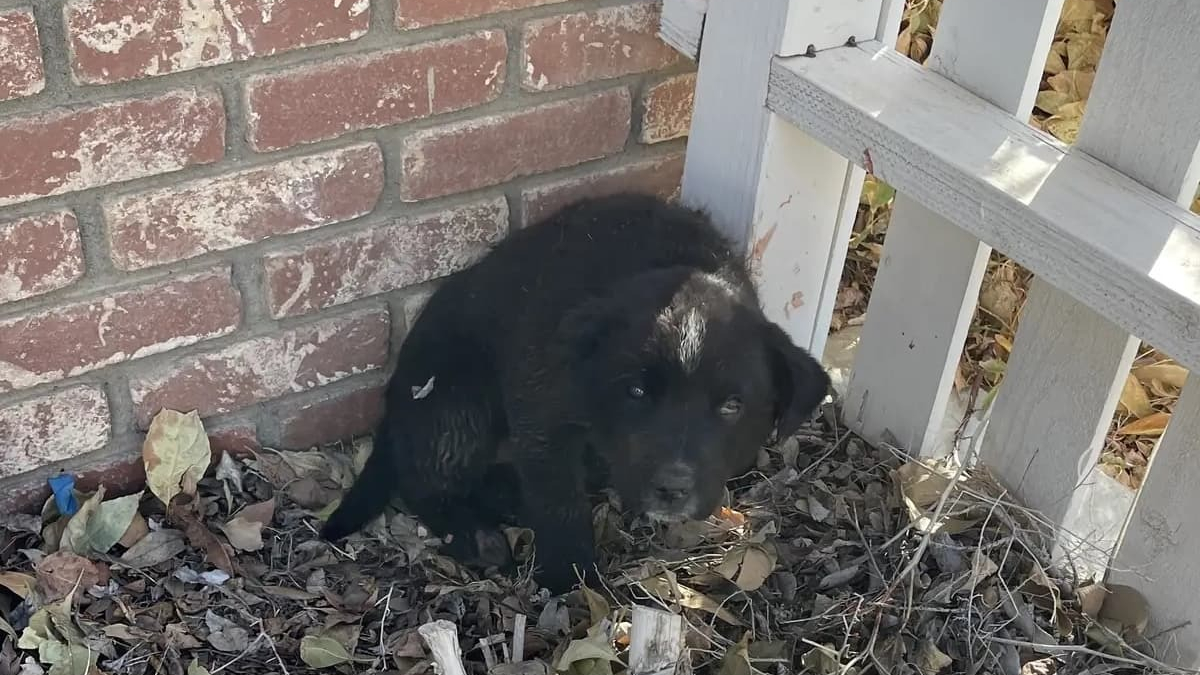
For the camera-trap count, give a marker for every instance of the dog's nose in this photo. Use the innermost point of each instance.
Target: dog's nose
(674, 484)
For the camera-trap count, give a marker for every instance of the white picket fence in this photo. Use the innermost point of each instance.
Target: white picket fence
(789, 112)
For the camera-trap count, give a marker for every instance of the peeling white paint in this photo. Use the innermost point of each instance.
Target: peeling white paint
(52, 428)
(302, 288)
(110, 37)
(430, 86)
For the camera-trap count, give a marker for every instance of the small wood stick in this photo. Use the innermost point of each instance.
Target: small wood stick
(487, 644)
(441, 638)
(518, 648)
(655, 641)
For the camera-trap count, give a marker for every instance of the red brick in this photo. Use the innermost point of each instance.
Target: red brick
(420, 13)
(39, 254)
(495, 149)
(240, 208)
(667, 109)
(117, 40)
(77, 338)
(71, 149)
(329, 99)
(21, 70)
(336, 418)
(52, 428)
(658, 176)
(562, 51)
(267, 367)
(385, 258)
(239, 439)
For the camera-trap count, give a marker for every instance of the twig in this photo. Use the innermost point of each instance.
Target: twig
(655, 641)
(518, 642)
(263, 633)
(441, 638)
(1058, 650)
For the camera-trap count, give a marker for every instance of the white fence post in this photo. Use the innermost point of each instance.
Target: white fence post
(928, 281)
(1068, 364)
(787, 199)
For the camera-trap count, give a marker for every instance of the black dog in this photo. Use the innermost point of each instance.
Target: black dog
(619, 343)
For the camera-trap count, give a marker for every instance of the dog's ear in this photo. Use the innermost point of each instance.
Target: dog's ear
(800, 381)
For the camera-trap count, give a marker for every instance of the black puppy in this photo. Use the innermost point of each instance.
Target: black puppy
(618, 343)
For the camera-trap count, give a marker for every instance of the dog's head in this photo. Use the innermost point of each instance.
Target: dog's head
(680, 379)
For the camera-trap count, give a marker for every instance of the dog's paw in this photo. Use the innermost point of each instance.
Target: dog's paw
(481, 549)
(494, 551)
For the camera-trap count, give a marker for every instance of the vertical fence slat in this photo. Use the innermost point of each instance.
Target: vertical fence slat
(1068, 363)
(786, 199)
(928, 281)
(1158, 552)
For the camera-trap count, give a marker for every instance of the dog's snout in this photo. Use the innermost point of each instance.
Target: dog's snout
(674, 483)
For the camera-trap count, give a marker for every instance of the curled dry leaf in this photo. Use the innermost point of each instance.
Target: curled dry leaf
(244, 530)
(1151, 425)
(154, 548)
(591, 655)
(670, 591)
(18, 582)
(1171, 374)
(59, 573)
(322, 652)
(748, 566)
(1134, 399)
(203, 538)
(99, 524)
(176, 454)
(226, 635)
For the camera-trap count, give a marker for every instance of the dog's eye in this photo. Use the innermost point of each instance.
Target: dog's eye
(636, 391)
(731, 406)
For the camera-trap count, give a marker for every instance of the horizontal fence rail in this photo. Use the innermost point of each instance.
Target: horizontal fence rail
(1065, 216)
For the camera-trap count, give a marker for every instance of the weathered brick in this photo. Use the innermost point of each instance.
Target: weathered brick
(667, 109)
(52, 428)
(240, 208)
(77, 338)
(561, 51)
(341, 417)
(39, 254)
(117, 40)
(329, 99)
(385, 258)
(658, 176)
(420, 13)
(70, 149)
(494, 149)
(21, 70)
(238, 439)
(267, 367)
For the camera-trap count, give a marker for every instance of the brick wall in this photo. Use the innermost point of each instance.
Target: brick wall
(235, 206)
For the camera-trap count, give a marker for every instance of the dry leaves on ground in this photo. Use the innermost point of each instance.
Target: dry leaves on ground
(830, 557)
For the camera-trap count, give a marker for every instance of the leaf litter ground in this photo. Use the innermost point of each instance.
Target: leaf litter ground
(830, 557)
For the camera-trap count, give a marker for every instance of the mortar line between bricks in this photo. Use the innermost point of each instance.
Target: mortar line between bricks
(243, 333)
(390, 133)
(105, 275)
(250, 255)
(67, 93)
(122, 281)
(393, 300)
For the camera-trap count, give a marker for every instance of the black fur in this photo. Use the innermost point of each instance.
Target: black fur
(619, 343)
